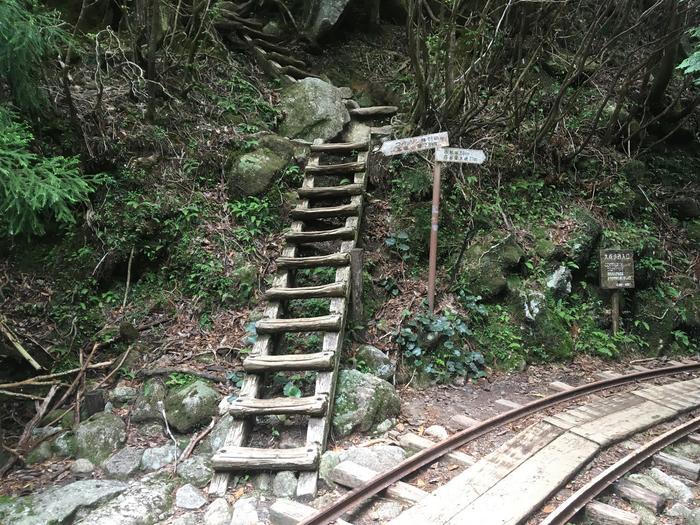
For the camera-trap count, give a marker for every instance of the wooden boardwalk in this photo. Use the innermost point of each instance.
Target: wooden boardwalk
(507, 485)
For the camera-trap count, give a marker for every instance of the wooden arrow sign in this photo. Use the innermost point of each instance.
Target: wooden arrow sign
(465, 156)
(411, 144)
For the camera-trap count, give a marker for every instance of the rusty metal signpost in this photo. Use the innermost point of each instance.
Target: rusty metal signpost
(616, 273)
(436, 141)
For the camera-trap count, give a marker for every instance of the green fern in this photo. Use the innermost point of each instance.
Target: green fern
(35, 190)
(27, 38)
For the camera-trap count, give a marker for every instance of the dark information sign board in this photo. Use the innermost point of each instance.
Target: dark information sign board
(616, 269)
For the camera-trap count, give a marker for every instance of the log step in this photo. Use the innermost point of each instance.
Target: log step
(346, 167)
(295, 362)
(331, 191)
(343, 234)
(334, 260)
(604, 514)
(373, 110)
(252, 406)
(285, 59)
(298, 73)
(268, 46)
(324, 323)
(248, 458)
(340, 146)
(307, 292)
(346, 210)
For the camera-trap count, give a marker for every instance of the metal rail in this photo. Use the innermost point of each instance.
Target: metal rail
(432, 454)
(579, 499)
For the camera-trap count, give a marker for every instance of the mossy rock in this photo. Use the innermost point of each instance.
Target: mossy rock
(658, 313)
(191, 405)
(146, 406)
(65, 445)
(583, 240)
(252, 173)
(689, 312)
(487, 263)
(99, 437)
(549, 333)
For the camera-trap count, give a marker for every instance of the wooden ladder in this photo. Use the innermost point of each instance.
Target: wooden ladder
(234, 455)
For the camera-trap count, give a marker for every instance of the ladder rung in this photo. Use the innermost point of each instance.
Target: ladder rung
(275, 363)
(340, 146)
(373, 110)
(331, 191)
(248, 458)
(346, 210)
(305, 237)
(310, 406)
(308, 292)
(324, 323)
(347, 167)
(332, 260)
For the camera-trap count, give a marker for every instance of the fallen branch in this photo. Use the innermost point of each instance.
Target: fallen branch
(116, 368)
(44, 379)
(16, 344)
(197, 438)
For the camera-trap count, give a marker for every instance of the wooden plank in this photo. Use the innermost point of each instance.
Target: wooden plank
(331, 191)
(248, 458)
(307, 292)
(677, 465)
(345, 210)
(531, 484)
(310, 406)
(373, 111)
(603, 514)
(681, 396)
(288, 512)
(349, 474)
(476, 480)
(694, 438)
(593, 411)
(333, 260)
(276, 363)
(415, 443)
(329, 169)
(340, 146)
(636, 493)
(307, 237)
(324, 323)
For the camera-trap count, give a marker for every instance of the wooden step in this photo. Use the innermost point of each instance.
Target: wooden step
(248, 458)
(324, 323)
(352, 475)
(285, 59)
(346, 167)
(307, 292)
(331, 191)
(343, 234)
(269, 46)
(295, 362)
(334, 260)
(346, 210)
(309, 406)
(340, 146)
(373, 111)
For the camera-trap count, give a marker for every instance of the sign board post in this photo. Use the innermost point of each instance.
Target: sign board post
(616, 273)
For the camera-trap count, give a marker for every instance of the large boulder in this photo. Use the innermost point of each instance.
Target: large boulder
(373, 360)
(98, 437)
(362, 401)
(323, 15)
(124, 463)
(146, 406)
(253, 172)
(196, 471)
(487, 264)
(59, 504)
(314, 109)
(191, 405)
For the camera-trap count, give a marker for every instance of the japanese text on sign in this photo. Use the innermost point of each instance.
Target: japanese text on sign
(616, 269)
(466, 156)
(409, 145)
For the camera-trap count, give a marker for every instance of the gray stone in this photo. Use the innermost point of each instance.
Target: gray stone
(157, 457)
(362, 401)
(314, 109)
(215, 440)
(123, 394)
(43, 432)
(142, 503)
(694, 517)
(253, 172)
(98, 437)
(245, 512)
(146, 406)
(152, 429)
(345, 92)
(218, 513)
(82, 467)
(680, 490)
(356, 131)
(186, 519)
(262, 482)
(323, 15)
(560, 281)
(678, 510)
(377, 457)
(191, 405)
(437, 432)
(189, 497)
(645, 514)
(64, 445)
(284, 485)
(373, 360)
(57, 505)
(38, 454)
(385, 511)
(195, 470)
(385, 426)
(534, 302)
(273, 28)
(124, 463)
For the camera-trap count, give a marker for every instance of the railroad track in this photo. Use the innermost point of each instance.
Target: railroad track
(512, 483)
(324, 234)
